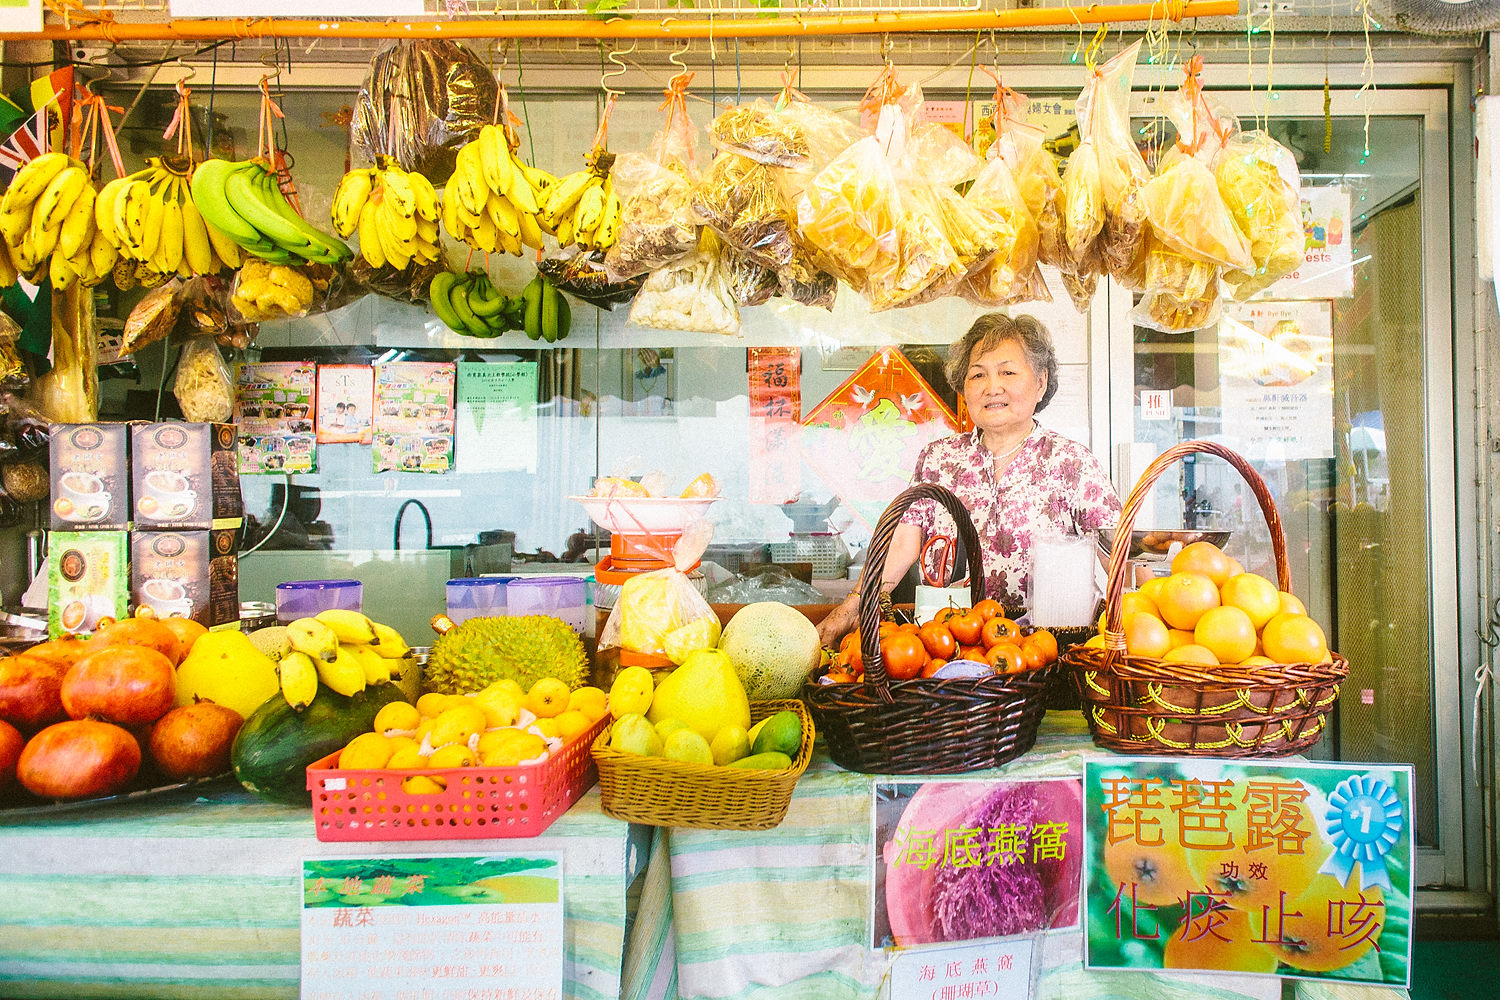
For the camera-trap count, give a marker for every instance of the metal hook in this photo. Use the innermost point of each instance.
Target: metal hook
(614, 57)
(676, 57)
(885, 49)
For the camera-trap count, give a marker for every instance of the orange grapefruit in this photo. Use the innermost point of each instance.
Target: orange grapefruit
(1292, 638)
(1204, 558)
(1252, 594)
(1185, 597)
(1228, 633)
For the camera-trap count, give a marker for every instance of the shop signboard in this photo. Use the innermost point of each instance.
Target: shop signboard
(439, 927)
(20, 15)
(307, 8)
(273, 407)
(413, 429)
(1276, 380)
(1327, 270)
(1302, 870)
(975, 859)
(496, 416)
(864, 437)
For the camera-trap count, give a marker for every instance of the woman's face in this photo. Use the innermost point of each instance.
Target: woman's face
(1001, 390)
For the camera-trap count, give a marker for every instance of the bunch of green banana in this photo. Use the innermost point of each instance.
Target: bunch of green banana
(471, 306)
(394, 212)
(242, 198)
(582, 207)
(545, 314)
(148, 220)
(491, 201)
(342, 650)
(47, 224)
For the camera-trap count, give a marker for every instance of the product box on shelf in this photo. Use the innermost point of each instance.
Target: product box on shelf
(187, 574)
(87, 579)
(185, 475)
(90, 476)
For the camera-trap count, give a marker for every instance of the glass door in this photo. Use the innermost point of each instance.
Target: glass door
(1338, 385)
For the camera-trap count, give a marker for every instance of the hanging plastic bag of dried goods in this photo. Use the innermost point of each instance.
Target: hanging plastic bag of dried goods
(740, 200)
(975, 237)
(1258, 179)
(1181, 293)
(1033, 168)
(13, 374)
(1012, 274)
(423, 99)
(1182, 201)
(583, 276)
(69, 392)
(689, 294)
(750, 284)
(204, 387)
(1105, 224)
(657, 222)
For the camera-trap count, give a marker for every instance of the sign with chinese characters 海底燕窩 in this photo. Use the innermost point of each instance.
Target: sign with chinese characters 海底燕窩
(441, 927)
(965, 860)
(1279, 868)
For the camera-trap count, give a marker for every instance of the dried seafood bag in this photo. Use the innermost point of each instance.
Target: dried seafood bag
(204, 387)
(690, 294)
(1020, 145)
(657, 221)
(1259, 181)
(13, 374)
(421, 101)
(1012, 275)
(741, 201)
(584, 276)
(750, 284)
(1181, 293)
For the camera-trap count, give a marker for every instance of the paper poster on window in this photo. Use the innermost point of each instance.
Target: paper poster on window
(414, 416)
(437, 927)
(1276, 380)
(273, 407)
(21, 15)
(1327, 270)
(497, 425)
(346, 404)
(972, 859)
(775, 387)
(1276, 868)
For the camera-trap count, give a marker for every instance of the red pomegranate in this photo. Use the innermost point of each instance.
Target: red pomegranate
(146, 632)
(193, 741)
(128, 685)
(31, 691)
(11, 742)
(78, 759)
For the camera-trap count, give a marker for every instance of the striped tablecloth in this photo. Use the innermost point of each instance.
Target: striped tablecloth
(198, 896)
(785, 913)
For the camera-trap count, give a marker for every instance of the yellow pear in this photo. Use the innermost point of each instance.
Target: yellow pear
(705, 692)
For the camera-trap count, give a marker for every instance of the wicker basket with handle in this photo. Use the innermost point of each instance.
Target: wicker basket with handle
(1141, 705)
(931, 725)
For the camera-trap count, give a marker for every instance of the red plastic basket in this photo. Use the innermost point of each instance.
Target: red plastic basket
(478, 802)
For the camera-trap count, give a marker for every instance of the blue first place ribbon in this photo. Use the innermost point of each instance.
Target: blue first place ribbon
(1365, 819)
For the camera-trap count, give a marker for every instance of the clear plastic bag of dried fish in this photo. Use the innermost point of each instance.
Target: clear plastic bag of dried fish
(583, 276)
(1258, 179)
(740, 200)
(690, 294)
(203, 386)
(1012, 274)
(657, 221)
(1182, 294)
(422, 100)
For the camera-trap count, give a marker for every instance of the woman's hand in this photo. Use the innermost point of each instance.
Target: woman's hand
(840, 621)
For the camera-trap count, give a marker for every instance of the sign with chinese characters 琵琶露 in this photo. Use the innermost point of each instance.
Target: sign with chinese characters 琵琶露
(1279, 868)
(968, 860)
(440, 927)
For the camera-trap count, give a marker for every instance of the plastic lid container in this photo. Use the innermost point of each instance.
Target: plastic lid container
(303, 598)
(558, 596)
(476, 597)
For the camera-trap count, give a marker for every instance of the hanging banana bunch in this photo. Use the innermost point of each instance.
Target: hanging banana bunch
(582, 207)
(491, 201)
(47, 224)
(394, 212)
(150, 220)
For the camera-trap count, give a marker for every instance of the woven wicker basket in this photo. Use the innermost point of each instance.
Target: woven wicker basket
(661, 792)
(1140, 705)
(925, 726)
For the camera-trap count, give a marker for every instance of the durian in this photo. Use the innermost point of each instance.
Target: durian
(471, 656)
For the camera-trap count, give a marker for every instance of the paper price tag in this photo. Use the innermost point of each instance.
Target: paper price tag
(1001, 968)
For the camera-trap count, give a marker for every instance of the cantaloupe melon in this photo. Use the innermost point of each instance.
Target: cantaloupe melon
(773, 648)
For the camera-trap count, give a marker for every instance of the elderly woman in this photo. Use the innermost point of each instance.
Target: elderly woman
(1018, 480)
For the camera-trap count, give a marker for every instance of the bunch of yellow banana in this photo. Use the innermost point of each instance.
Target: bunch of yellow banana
(345, 652)
(582, 207)
(491, 201)
(394, 212)
(47, 224)
(150, 220)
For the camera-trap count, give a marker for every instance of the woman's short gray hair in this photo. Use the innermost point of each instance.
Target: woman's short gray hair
(989, 332)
